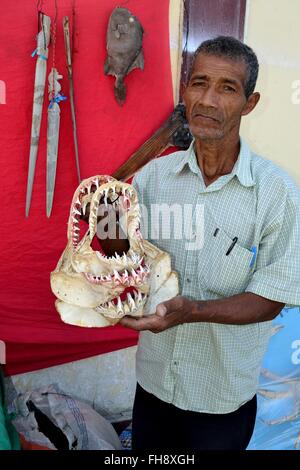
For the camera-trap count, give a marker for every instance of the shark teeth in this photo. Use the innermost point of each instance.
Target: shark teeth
(84, 206)
(136, 258)
(106, 191)
(126, 307)
(116, 278)
(131, 302)
(113, 192)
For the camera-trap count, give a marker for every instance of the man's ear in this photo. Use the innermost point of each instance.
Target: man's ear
(251, 103)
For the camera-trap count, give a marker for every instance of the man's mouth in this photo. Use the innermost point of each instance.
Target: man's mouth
(205, 117)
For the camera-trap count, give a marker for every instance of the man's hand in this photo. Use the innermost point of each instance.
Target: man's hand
(240, 309)
(168, 314)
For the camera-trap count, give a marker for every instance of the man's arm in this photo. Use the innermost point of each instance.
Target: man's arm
(239, 309)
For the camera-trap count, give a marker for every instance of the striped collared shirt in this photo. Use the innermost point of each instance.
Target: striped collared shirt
(239, 234)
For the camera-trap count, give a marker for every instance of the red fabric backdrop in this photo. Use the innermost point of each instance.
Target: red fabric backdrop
(34, 334)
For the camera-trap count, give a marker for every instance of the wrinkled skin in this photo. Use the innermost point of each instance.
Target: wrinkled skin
(94, 289)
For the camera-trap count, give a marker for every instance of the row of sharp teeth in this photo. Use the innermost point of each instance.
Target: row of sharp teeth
(121, 278)
(132, 303)
(113, 191)
(76, 211)
(84, 204)
(124, 259)
(87, 188)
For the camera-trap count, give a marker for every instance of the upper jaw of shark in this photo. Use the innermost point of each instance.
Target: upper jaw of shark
(103, 193)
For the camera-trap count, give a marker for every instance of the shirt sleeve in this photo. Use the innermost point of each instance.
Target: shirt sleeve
(277, 272)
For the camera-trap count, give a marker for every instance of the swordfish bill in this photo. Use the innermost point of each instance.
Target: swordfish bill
(71, 84)
(41, 51)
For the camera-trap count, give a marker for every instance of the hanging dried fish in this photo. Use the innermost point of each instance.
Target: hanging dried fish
(53, 133)
(124, 48)
(41, 51)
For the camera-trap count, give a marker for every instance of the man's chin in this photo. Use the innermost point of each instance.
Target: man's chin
(204, 134)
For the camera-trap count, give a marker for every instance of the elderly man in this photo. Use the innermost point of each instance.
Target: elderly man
(197, 378)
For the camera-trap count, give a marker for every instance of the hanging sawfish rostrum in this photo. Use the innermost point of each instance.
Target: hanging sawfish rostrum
(41, 51)
(53, 133)
(124, 48)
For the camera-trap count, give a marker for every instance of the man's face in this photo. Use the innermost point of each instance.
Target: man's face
(215, 98)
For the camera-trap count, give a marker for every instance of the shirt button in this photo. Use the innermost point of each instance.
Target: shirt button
(188, 280)
(175, 363)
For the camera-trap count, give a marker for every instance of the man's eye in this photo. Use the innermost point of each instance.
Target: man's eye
(201, 84)
(228, 88)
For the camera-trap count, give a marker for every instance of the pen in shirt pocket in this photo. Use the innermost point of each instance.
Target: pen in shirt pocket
(253, 250)
(234, 240)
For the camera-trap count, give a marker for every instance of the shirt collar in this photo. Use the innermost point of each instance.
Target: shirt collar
(241, 169)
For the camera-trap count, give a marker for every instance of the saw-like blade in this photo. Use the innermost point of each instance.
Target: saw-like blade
(41, 51)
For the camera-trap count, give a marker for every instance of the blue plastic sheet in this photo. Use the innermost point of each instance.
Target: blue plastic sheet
(278, 418)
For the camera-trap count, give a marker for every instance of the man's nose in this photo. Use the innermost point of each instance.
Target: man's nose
(209, 98)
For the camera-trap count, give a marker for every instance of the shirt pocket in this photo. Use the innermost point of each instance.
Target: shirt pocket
(223, 274)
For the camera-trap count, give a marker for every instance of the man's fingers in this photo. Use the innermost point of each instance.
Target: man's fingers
(128, 322)
(138, 324)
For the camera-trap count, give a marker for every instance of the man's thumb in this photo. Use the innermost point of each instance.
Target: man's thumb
(161, 310)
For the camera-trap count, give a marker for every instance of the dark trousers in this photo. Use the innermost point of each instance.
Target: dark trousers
(157, 425)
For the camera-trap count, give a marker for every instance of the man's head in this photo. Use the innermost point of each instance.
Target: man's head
(221, 87)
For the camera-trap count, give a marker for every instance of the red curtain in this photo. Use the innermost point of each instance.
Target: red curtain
(108, 134)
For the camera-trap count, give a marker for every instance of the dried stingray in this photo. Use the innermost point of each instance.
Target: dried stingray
(124, 48)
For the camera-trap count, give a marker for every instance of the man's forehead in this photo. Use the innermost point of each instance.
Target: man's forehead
(214, 65)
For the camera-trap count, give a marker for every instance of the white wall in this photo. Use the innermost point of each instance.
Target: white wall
(273, 129)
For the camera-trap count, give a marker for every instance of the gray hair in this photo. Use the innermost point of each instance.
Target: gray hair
(227, 46)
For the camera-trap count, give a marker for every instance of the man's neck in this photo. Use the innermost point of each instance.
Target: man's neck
(216, 157)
